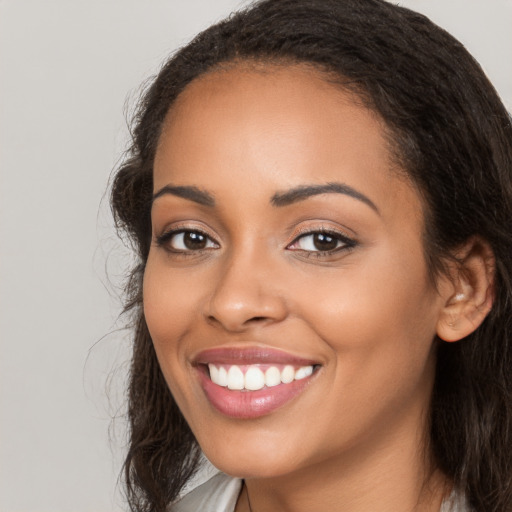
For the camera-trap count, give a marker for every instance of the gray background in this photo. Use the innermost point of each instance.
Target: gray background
(68, 71)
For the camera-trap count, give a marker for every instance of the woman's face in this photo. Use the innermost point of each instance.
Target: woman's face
(287, 254)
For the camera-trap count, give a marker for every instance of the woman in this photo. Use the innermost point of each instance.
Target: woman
(320, 196)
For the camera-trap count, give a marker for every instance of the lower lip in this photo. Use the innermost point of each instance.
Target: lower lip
(251, 404)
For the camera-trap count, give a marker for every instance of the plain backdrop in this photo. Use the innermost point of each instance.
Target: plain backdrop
(69, 72)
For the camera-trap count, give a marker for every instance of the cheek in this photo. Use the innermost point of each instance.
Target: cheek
(379, 322)
(170, 298)
(170, 308)
(170, 302)
(379, 334)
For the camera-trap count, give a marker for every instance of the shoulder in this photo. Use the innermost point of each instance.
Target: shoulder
(217, 494)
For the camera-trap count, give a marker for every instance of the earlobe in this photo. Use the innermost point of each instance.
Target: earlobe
(469, 292)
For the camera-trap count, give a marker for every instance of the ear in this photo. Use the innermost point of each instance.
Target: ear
(468, 290)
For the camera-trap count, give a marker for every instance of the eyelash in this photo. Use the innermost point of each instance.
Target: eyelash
(346, 242)
(165, 239)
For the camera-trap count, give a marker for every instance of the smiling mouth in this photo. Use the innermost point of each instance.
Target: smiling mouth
(250, 382)
(254, 377)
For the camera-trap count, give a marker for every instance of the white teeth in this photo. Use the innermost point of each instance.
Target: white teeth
(287, 375)
(235, 378)
(223, 377)
(254, 378)
(214, 372)
(303, 372)
(272, 377)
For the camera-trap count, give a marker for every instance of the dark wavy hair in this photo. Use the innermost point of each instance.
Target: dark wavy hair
(452, 136)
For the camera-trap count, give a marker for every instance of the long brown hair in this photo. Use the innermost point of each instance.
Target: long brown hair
(452, 136)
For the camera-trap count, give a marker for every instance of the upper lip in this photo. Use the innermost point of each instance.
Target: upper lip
(250, 355)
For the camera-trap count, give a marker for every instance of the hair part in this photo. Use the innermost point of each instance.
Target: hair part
(451, 135)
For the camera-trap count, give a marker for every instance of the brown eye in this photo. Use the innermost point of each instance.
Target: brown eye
(193, 240)
(321, 242)
(324, 242)
(185, 241)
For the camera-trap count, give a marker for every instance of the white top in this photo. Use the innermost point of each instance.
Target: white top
(219, 493)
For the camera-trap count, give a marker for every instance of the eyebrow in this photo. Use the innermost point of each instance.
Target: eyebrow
(305, 191)
(187, 192)
(279, 199)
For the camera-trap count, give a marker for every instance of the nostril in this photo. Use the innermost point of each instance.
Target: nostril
(238, 311)
(238, 325)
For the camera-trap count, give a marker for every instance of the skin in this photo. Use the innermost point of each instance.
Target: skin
(368, 313)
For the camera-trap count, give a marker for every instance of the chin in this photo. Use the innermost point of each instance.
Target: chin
(261, 468)
(254, 460)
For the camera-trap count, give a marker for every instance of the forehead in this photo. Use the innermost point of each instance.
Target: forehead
(296, 100)
(278, 125)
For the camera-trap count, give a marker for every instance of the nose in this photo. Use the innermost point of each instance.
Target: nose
(246, 294)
